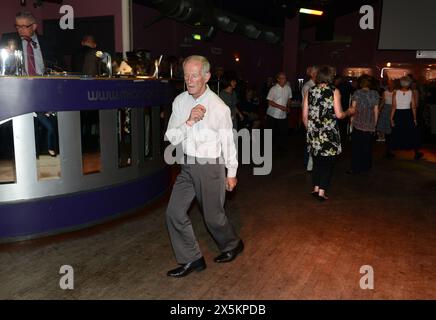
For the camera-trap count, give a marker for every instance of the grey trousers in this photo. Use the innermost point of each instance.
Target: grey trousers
(206, 182)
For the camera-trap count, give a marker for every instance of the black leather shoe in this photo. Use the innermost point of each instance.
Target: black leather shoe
(230, 255)
(185, 269)
(322, 198)
(389, 155)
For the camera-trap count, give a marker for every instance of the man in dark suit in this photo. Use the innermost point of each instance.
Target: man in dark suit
(38, 55)
(39, 49)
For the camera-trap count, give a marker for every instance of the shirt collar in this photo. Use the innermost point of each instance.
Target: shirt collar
(34, 38)
(205, 93)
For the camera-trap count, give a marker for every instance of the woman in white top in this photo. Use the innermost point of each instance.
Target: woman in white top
(403, 119)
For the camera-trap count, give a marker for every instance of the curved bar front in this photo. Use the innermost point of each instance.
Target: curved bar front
(31, 207)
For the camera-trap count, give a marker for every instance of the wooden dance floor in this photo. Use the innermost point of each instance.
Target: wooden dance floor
(295, 247)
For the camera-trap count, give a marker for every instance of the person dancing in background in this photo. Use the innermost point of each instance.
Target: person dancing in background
(404, 120)
(321, 110)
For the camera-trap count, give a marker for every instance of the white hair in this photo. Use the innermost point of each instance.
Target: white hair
(405, 81)
(26, 15)
(205, 65)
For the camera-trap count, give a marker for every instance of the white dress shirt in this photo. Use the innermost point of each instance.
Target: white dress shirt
(281, 96)
(212, 137)
(39, 61)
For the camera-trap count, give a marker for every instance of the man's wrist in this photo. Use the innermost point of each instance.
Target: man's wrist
(231, 173)
(190, 123)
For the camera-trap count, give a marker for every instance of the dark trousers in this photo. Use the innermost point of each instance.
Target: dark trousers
(305, 156)
(322, 171)
(361, 150)
(388, 140)
(48, 125)
(343, 126)
(279, 129)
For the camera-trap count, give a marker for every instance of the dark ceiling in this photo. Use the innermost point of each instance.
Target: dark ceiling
(272, 13)
(256, 19)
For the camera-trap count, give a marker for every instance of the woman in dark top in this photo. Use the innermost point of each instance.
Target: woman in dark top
(249, 107)
(366, 102)
(228, 95)
(321, 110)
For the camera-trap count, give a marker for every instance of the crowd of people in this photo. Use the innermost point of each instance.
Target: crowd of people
(334, 110)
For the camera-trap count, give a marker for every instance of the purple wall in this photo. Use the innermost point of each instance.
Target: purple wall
(258, 59)
(51, 11)
(359, 52)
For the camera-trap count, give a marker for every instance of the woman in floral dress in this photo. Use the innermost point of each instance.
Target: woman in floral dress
(321, 110)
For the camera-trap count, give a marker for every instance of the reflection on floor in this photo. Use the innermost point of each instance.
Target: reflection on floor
(91, 163)
(295, 246)
(7, 171)
(429, 154)
(48, 167)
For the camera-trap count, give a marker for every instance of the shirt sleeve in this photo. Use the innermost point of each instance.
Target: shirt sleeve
(228, 144)
(271, 94)
(177, 130)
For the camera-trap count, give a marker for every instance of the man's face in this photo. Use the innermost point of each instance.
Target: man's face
(391, 85)
(194, 78)
(233, 83)
(281, 80)
(25, 27)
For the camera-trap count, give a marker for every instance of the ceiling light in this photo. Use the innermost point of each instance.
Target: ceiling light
(310, 11)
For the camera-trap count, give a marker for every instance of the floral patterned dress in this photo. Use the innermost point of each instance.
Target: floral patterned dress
(323, 137)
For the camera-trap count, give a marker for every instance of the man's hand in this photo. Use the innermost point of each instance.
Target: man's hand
(197, 113)
(231, 183)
